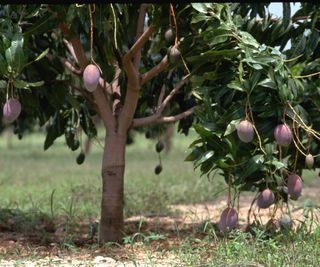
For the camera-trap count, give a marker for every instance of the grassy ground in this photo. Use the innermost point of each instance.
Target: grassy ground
(37, 186)
(30, 175)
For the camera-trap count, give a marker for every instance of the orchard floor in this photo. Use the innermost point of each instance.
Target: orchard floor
(49, 208)
(151, 240)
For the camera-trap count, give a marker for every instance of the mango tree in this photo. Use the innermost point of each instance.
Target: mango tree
(62, 64)
(132, 64)
(259, 119)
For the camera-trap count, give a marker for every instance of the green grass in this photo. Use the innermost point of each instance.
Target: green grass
(206, 247)
(29, 175)
(244, 249)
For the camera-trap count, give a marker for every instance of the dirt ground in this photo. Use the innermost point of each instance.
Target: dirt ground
(32, 249)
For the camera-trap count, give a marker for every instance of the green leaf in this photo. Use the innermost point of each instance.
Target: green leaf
(71, 14)
(195, 142)
(74, 102)
(255, 79)
(286, 14)
(258, 159)
(276, 163)
(222, 164)
(20, 84)
(248, 39)
(205, 132)
(3, 84)
(298, 46)
(42, 25)
(32, 11)
(199, 17)
(312, 42)
(257, 66)
(14, 54)
(206, 167)
(216, 142)
(51, 136)
(269, 150)
(253, 165)
(201, 7)
(236, 85)
(271, 75)
(232, 126)
(267, 83)
(43, 54)
(214, 54)
(195, 154)
(233, 113)
(277, 30)
(283, 92)
(3, 66)
(205, 156)
(220, 39)
(254, 63)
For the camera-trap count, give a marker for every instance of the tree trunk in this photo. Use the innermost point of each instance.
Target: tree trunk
(111, 223)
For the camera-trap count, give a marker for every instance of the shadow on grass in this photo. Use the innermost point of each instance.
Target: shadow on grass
(39, 229)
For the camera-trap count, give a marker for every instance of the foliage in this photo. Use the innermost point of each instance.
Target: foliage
(244, 76)
(31, 48)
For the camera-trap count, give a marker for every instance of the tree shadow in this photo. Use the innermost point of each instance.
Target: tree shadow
(40, 229)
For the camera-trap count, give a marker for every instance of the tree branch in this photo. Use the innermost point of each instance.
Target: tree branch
(116, 93)
(140, 28)
(161, 119)
(71, 50)
(132, 73)
(162, 92)
(105, 110)
(171, 94)
(69, 66)
(147, 76)
(161, 95)
(66, 63)
(133, 83)
(149, 120)
(98, 94)
(115, 82)
(177, 117)
(79, 54)
(105, 86)
(132, 95)
(157, 117)
(140, 42)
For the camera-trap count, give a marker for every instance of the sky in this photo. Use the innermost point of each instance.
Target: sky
(276, 9)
